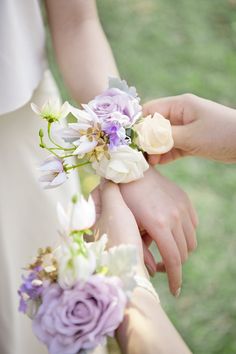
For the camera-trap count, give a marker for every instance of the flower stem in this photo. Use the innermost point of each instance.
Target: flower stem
(44, 146)
(59, 147)
(77, 166)
(65, 156)
(52, 152)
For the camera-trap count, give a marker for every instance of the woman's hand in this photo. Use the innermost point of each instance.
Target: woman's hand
(167, 217)
(200, 128)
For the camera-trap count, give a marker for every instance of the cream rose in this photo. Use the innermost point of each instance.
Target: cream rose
(154, 134)
(125, 165)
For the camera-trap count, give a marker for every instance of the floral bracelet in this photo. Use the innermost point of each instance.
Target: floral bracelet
(76, 293)
(109, 134)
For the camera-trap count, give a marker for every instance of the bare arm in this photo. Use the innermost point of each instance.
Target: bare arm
(145, 328)
(83, 54)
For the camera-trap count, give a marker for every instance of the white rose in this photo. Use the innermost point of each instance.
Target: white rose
(154, 134)
(125, 165)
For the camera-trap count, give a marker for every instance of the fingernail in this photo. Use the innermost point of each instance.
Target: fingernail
(151, 271)
(177, 294)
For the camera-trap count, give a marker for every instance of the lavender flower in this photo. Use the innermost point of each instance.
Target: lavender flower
(69, 321)
(30, 289)
(116, 134)
(55, 175)
(115, 105)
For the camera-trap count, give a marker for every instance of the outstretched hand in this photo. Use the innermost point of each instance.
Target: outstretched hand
(200, 128)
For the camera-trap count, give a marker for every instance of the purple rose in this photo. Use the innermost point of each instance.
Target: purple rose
(69, 321)
(115, 105)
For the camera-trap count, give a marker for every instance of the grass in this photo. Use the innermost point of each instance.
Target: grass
(168, 47)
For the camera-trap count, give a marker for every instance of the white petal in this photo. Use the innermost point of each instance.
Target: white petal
(98, 247)
(118, 166)
(47, 177)
(63, 218)
(84, 146)
(65, 110)
(90, 112)
(121, 259)
(53, 166)
(81, 115)
(35, 108)
(58, 180)
(84, 214)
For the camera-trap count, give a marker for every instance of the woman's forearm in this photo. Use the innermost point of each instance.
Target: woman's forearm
(83, 54)
(147, 329)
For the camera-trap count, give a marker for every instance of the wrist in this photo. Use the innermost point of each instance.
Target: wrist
(145, 284)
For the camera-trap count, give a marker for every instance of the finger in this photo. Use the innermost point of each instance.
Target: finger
(170, 156)
(146, 238)
(170, 255)
(190, 233)
(148, 256)
(154, 159)
(179, 236)
(160, 267)
(180, 135)
(149, 260)
(170, 107)
(161, 105)
(193, 215)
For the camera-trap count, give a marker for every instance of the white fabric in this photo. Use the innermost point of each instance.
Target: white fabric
(22, 52)
(27, 215)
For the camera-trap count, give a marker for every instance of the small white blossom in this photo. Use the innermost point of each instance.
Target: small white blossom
(52, 109)
(98, 248)
(73, 264)
(54, 173)
(79, 216)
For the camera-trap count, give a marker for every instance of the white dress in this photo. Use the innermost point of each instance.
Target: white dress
(27, 212)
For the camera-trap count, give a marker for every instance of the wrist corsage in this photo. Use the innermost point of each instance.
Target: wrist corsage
(77, 292)
(109, 134)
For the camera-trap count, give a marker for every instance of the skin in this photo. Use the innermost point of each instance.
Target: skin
(85, 61)
(200, 128)
(146, 328)
(82, 52)
(167, 217)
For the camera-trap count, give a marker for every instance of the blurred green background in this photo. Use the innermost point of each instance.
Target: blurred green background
(168, 47)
